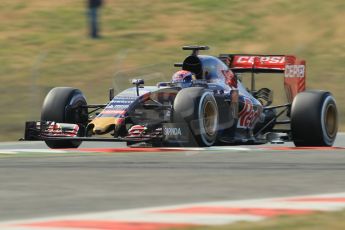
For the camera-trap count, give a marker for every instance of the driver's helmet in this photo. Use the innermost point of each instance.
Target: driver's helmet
(183, 76)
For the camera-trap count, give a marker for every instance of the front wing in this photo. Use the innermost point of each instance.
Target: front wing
(172, 134)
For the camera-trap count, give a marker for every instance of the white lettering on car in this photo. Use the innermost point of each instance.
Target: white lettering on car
(266, 59)
(294, 71)
(172, 132)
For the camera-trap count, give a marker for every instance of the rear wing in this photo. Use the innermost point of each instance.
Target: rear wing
(294, 70)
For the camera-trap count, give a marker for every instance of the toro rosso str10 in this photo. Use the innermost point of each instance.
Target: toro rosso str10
(204, 104)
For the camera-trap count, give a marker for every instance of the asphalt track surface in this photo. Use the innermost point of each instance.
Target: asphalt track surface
(48, 184)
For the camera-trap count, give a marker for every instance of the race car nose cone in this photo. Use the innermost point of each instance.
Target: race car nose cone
(98, 131)
(102, 125)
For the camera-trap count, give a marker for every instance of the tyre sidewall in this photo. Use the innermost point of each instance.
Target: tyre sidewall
(328, 101)
(188, 108)
(206, 139)
(58, 106)
(308, 118)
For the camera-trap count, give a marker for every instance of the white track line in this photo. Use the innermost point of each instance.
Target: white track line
(17, 151)
(90, 150)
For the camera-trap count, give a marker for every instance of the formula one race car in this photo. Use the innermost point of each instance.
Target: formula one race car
(204, 104)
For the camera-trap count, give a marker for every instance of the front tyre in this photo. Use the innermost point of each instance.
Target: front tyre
(198, 108)
(64, 105)
(314, 119)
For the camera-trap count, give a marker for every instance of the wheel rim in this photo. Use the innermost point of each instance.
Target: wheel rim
(330, 120)
(210, 119)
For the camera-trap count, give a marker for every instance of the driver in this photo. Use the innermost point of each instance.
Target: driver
(183, 76)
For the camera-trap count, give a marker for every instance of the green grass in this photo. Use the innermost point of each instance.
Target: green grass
(319, 221)
(44, 44)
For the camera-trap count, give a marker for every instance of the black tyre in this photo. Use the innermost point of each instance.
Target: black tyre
(63, 104)
(314, 119)
(198, 108)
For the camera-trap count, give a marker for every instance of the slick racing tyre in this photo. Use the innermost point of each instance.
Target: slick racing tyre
(314, 119)
(198, 108)
(63, 104)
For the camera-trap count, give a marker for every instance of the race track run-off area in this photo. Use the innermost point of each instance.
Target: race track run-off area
(212, 213)
(110, 186)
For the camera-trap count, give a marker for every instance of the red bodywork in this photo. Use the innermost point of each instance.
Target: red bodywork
(294, 70)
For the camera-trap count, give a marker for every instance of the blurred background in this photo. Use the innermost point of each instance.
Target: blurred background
(44, 44)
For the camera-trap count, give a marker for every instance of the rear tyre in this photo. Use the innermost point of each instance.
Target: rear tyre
(198, 108)
(63, 104)
(314, 119)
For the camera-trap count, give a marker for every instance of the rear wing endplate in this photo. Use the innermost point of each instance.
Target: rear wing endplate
(294, 70)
